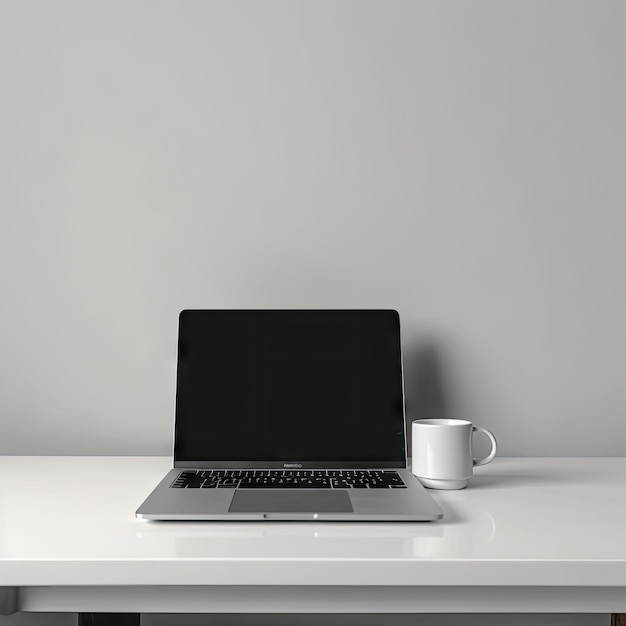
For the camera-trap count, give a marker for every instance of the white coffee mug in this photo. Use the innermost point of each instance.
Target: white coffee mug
(442, 452)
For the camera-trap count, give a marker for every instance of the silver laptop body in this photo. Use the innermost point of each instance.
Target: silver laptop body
(289, 415)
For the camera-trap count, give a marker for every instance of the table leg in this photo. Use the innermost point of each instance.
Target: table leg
(109, 619)
(618, 619)
(8, 600)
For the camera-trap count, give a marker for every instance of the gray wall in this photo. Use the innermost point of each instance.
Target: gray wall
(462, 162)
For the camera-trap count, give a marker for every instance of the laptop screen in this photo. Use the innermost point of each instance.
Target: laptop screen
(284, 388)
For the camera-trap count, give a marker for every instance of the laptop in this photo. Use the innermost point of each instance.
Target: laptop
(289, 415)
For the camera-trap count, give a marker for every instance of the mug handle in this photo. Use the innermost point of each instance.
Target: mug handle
(494, 446)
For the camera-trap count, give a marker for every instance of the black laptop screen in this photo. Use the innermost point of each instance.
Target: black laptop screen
(281, 388)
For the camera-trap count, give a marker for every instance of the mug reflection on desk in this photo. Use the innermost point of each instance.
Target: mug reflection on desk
(459, 539)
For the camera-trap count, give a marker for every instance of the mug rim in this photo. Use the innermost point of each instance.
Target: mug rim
(442, 422)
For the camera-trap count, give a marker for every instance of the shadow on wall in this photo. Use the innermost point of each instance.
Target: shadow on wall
(425, 390)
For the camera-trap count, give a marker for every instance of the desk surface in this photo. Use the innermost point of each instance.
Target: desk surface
(522, 521)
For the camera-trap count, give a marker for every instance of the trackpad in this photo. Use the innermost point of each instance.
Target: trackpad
(290, 501)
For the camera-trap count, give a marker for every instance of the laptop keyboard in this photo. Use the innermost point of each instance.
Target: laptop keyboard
(285, 479)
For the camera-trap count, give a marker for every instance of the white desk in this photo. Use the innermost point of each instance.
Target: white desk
(528, 535)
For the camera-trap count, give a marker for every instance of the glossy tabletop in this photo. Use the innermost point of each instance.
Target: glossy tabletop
(522, 521)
